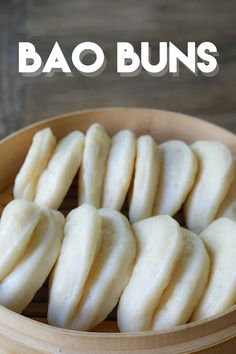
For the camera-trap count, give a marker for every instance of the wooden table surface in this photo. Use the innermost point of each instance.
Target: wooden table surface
(24, 100)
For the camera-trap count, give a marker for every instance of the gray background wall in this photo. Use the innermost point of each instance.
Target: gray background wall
(26, 100)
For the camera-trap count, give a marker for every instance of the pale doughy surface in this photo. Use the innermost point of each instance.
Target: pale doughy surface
(18, 221)
(146, 177)
(220, 241)
(186, 286)
(159, 244)
(110, 272)
(215, 174)
(92, 171)
(119, 171)
(19, 287)
(228, 206)
(179, 167)
(170, 280)
(56, 180)
(81, 243)
(35, 162)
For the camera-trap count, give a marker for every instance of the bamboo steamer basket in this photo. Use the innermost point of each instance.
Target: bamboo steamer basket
(29, 333)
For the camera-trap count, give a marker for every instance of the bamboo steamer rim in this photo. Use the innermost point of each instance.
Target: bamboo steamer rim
(181, 339)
